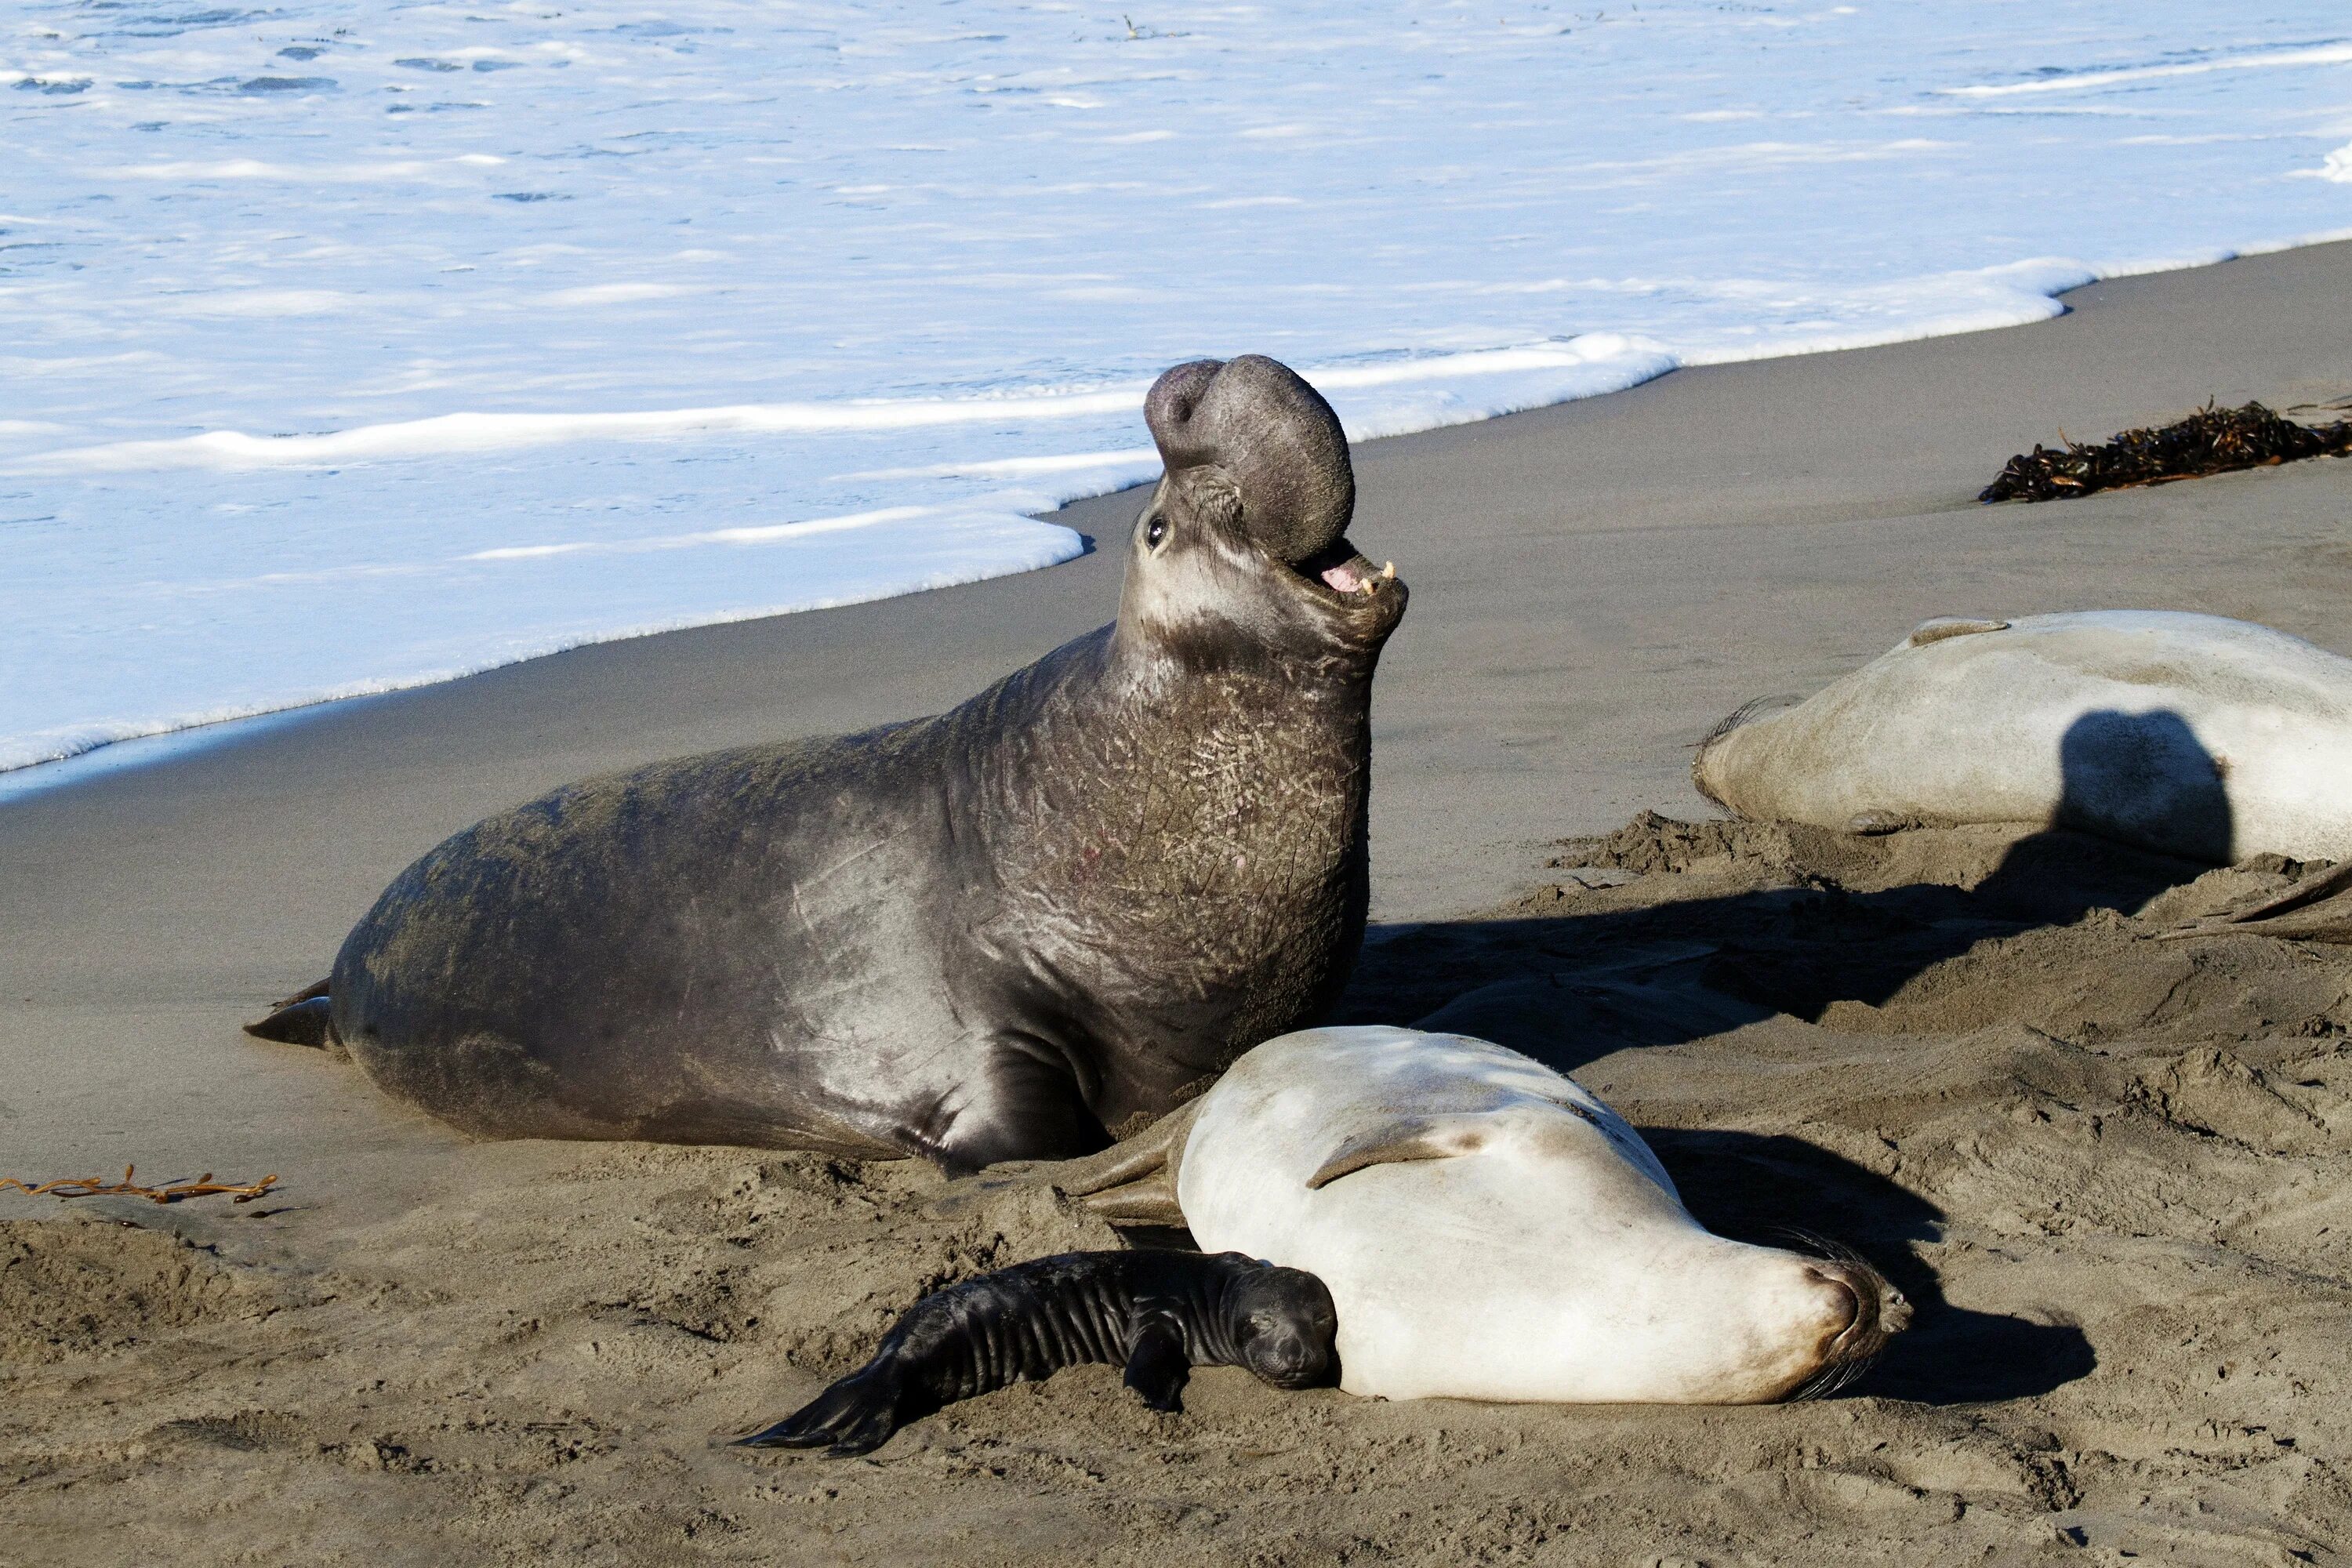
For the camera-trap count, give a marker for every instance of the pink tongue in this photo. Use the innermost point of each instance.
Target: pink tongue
(1343, 577)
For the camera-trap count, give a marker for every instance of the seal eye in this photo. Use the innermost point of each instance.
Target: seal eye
(1156, 531)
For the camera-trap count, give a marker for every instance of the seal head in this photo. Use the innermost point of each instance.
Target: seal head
(1244, 543)
(1258, 426)
(1281, 1325)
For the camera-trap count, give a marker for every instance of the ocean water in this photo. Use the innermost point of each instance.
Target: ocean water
(346, 346)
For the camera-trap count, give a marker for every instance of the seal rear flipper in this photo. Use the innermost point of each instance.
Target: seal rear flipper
(1158, 1365)
(315, 989)
(2313, 909)
(304, 1018)
(855, 1415)
(1134, 1181)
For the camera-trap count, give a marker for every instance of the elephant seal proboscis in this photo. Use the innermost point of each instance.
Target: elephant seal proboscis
(2187, 734)
(1487, 1230)
(1159, 1314)
(986, 935)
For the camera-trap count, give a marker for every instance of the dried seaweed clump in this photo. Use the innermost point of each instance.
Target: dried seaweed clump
(2209, 441)
(169, 1193)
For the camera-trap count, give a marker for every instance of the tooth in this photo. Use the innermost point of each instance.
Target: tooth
(1389, 570)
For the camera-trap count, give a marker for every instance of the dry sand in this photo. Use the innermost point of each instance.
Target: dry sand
(2111, 1168)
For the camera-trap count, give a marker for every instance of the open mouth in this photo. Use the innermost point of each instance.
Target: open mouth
(1346, 572)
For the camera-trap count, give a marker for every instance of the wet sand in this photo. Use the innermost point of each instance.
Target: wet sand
(2108, 1166)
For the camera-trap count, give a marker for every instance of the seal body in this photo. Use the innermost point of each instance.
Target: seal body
(2187, 734)
(988, 934)
(1489, 1231)
(1159, 1314)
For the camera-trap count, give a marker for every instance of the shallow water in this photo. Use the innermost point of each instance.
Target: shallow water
(351, 346)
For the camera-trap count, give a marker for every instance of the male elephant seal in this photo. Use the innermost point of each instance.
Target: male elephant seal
(1487, 1230)
(984, 935)
(2188, 734)
(1159, 1314)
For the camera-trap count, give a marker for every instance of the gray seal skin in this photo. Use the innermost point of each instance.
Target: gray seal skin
(986, 935)
(1159, 1314)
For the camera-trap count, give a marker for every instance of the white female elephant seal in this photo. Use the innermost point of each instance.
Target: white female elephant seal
(986, 935)
(1487, 1230)
(2187, 734)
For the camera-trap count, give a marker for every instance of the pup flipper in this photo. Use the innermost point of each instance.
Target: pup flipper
(855, 1415)
(1158, 1366)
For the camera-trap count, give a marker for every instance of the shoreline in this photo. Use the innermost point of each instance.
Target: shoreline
(1097, 516)
(31, 778)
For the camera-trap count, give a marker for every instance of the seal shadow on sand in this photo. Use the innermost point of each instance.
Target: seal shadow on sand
(1569, 989)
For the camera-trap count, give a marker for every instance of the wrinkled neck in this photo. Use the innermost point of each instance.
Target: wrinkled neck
(1153, 655)
(1179, 851)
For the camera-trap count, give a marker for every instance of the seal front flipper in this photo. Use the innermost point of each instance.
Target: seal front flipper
(303, 1019)
(855, 1415)
(1158, 1365)
(1021, 1102)
(1400, 1139)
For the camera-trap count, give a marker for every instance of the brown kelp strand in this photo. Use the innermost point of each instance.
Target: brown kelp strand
(169, 1193)
(2209, 441)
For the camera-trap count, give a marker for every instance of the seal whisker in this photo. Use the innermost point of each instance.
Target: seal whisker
(1738, 716)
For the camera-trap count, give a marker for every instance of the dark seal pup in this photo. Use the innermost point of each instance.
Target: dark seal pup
(983, 936)
(1160, 1315)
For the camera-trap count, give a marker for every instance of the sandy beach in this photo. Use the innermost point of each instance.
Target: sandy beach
(2112, 1170)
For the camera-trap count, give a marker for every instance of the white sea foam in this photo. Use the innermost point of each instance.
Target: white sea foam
(2060, 81)
(449, 434)
(449, 618)
(393, 169)
(348, 347)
